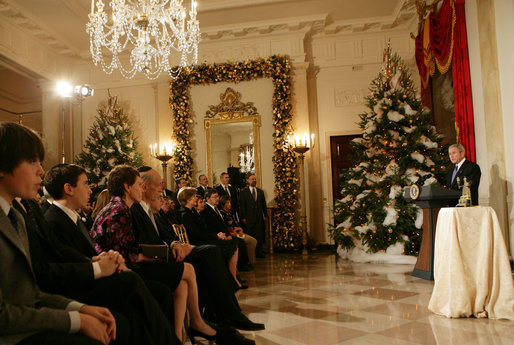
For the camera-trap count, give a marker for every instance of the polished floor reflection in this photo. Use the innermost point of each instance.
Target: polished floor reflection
(325, 301)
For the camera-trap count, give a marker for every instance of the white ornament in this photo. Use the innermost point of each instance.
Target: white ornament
(429, 162)
(418, 156)
(395, 116)
(370, 127)
(409, 129)
(392, 168)
(427, 142)
(111, 129)
(395, 191)
(357, 182)
(391, 216)
(408, 110)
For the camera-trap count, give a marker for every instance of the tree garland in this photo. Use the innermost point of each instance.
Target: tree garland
(279, 69)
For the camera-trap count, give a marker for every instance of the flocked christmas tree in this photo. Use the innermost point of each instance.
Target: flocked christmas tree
(110, 142)
(399, 147)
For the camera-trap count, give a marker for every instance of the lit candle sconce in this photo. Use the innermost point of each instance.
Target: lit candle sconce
(163, 153)
(301, 141)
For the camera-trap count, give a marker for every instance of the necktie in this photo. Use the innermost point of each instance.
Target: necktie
(13, 218)
(152, 218)
(254, 194)
(218, 212)
(227, 191)
(454, 173)
(84, 231)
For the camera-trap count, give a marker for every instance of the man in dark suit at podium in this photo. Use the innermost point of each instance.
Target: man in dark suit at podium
(463, 169)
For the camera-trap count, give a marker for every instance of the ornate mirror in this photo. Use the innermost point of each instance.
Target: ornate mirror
(232, 137)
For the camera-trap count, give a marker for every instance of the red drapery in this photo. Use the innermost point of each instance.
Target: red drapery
(442, 41)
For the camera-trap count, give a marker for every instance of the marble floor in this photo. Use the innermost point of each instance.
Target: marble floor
(325, 301)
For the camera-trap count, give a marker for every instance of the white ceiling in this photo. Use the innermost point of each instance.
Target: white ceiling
(63, 21)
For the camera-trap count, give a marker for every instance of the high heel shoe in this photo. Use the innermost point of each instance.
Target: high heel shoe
(192, 333)
(231, 336)
(223, 336)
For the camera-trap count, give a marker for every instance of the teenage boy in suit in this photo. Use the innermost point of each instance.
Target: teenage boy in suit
(28, 315)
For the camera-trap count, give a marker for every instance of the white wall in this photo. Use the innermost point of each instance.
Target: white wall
(504, 13)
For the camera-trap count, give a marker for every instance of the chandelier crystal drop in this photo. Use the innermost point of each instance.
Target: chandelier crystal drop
(144, 33)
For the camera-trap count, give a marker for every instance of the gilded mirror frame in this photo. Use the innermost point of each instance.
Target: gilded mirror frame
(256, 124)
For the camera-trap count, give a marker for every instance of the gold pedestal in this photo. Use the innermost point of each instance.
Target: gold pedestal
(164, 159)
(301, 150)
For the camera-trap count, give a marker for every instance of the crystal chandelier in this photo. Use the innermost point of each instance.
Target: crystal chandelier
(147, 29)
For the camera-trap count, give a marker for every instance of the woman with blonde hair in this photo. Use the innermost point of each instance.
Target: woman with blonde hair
(103, 199)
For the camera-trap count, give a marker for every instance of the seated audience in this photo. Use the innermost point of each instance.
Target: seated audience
(235, 229)
(203, 182)
(101, 200)
(63, 270)
(216, 285)
(168, 211)
(68, 185)
(200, 233)
(85, 214)
(28, 315)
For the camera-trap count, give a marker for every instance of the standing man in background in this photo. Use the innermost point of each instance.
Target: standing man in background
(253, 212)
(204, 185)
(224, 188)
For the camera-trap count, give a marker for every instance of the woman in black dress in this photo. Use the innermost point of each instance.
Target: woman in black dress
(198, 232)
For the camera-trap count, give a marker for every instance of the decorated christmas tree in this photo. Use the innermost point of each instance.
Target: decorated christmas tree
(110, 142)
(399, 147)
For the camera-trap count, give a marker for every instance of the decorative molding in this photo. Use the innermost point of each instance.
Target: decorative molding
(229, 4)
(359, 49)
(403, 16)
(266, 27)
(26, 48)
(348, 97)
(231, 107)
(37, 30)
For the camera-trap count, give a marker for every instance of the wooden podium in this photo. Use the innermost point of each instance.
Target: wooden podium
(430, 199)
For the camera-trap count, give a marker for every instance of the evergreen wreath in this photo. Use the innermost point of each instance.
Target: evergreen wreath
(277, 68)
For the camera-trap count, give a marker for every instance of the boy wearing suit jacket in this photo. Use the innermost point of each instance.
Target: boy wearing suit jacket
(28, 315)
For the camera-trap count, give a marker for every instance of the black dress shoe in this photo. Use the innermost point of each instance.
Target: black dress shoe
(246, 268)
(223, 336)
(230, 336)
(247, 325)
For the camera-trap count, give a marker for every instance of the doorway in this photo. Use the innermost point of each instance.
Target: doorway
(340, 151)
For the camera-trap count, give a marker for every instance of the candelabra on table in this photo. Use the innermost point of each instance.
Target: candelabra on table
(301, 145)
